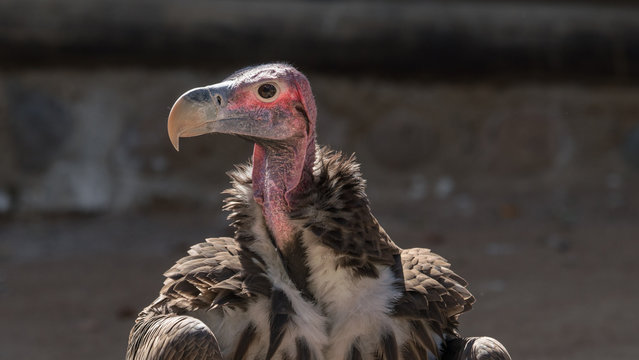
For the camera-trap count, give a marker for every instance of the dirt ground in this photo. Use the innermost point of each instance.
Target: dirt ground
(71, 286)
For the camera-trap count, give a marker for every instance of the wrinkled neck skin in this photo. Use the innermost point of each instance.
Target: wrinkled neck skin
(282, 172)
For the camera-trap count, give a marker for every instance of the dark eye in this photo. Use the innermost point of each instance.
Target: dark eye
(267, 91)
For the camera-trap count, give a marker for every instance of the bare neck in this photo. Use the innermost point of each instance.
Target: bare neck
(282, 173)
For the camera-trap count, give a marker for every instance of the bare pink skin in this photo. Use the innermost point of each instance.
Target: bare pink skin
(277, 183)
(282, 169)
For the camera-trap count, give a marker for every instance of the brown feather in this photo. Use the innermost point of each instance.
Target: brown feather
(388, 347)
(170, 337)
(281, 311)
(245, 341)
(303, 350)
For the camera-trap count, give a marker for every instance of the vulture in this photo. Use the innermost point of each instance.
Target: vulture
(309, 273)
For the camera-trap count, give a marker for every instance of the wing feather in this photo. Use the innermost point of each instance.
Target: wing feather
(172, 337)
(475, 348)
(216, 272)
(434, 298)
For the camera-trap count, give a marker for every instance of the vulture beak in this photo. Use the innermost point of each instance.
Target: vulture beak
(205, 110)
(199, 111)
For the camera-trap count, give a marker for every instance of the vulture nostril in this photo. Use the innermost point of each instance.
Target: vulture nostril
(218, 98)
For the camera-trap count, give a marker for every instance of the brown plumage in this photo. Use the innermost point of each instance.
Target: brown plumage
(480, 348)
(324, 281)
(173, 337)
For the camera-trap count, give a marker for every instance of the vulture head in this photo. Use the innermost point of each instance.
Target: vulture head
(271, 105)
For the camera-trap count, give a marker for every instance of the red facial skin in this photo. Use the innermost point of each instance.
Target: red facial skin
(282, 168)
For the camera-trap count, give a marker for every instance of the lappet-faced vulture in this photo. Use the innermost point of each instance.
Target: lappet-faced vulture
(310, 273)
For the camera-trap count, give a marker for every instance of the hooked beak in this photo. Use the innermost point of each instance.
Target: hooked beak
(205, 110)
(197, 112)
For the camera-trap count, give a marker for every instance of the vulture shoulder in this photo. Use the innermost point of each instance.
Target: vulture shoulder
(215, 273)
(337, 212)
(433, 299)
(218, 272)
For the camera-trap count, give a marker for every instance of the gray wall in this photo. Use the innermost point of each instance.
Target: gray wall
(467, 102)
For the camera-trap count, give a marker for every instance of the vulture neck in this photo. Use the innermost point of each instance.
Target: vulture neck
(282, 173)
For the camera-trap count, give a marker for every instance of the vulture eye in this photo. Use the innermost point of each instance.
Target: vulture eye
(267, 92)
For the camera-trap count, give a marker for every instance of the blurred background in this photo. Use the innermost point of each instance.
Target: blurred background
(504, 135)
